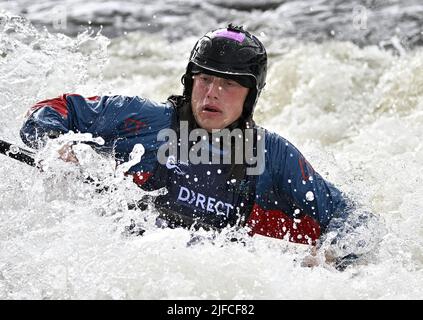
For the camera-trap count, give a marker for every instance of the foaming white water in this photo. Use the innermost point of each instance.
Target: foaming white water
(355, 113)
(36, 65)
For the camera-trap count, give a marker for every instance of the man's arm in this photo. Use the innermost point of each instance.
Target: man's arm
(293, 201)
(348, 233)
(121, 121)
(312, 210)
(311, 196)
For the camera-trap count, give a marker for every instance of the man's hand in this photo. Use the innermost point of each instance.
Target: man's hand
(315, 259)
(66, 154)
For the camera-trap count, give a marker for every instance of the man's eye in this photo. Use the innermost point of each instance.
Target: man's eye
(205, 78)
(230, 83)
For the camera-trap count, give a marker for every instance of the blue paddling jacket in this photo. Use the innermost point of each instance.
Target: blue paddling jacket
(287, 200)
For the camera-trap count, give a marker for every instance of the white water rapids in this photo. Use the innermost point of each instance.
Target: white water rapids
(355, 113)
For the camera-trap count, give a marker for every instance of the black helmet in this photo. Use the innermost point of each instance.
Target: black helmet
(231, 53)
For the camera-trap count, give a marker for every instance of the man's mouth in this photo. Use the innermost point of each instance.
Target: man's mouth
(210, 108)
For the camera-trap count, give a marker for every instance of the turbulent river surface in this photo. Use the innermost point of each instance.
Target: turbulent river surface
(345, 85)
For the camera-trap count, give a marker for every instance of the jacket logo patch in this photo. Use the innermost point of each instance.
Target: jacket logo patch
(204, 202)
(133, 125)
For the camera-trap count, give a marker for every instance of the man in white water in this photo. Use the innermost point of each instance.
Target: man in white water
(261, 183)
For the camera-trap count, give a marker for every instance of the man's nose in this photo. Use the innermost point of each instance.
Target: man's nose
(214, 88)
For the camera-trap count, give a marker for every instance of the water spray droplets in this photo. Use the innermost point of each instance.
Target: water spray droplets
(309, 196)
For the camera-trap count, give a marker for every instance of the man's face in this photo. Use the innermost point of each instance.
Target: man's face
(216, 102)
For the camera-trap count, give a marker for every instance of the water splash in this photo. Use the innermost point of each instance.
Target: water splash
(355, 113)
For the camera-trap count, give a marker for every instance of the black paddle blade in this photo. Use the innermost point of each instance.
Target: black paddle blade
(17, 153)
